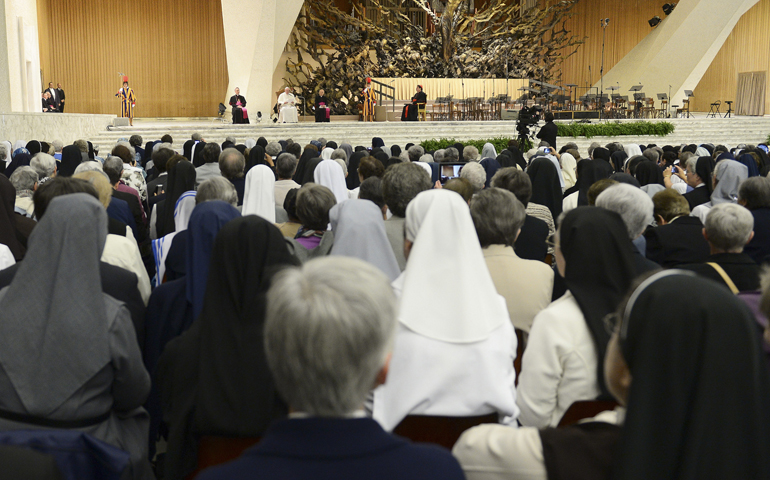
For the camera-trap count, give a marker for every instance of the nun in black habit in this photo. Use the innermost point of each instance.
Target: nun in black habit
(214, 379)
(181, 179)
(698, 405)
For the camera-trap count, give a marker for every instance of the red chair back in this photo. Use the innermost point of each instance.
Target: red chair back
(585, 409)
(217, 450)
(442, 431)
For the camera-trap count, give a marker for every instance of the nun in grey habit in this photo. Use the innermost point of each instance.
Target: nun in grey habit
(69, 358)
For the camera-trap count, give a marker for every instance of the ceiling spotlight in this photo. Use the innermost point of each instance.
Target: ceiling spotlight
(668, 8)
(654, 21)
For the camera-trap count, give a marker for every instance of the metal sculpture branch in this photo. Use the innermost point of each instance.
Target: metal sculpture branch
(337, 51)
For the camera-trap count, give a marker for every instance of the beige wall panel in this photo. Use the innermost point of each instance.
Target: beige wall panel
(173, 52)
(628, 26)
(747, 49)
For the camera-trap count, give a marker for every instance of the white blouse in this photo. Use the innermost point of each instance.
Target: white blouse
(559, 365)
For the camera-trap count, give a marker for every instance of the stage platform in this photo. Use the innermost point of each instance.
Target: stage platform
(729, 131)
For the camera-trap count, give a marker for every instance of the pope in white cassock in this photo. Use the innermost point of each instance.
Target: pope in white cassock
(287, 112)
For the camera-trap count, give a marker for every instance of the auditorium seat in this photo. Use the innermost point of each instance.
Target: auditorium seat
(585, 409)
(443, 431)
(217, 450)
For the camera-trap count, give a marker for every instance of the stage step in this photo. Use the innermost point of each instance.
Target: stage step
(728, 131)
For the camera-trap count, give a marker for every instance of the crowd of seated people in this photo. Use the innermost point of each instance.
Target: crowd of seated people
(268, 308)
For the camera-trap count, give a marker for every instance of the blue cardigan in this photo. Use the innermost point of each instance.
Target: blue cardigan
(329, 448)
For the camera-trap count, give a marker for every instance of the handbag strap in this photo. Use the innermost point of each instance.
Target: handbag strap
(725, 277)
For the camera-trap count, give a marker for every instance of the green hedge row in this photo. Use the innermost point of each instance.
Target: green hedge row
(589, 130)
(500, 143)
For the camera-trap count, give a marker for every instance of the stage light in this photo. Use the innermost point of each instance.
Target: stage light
(654, 21)
(668, 8)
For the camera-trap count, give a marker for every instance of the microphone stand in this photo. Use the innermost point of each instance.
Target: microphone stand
(604, 22)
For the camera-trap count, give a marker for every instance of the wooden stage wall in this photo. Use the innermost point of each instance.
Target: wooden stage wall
(441, 87)
(747, 49)
(628, 26)
(173, 52)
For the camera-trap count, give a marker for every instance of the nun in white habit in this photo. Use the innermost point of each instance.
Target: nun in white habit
(326, 153)
(359, 231)
(259, 196)
(329, 174)
(455, 345)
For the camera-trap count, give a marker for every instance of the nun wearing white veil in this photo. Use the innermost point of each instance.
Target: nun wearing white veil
(455, 345)
(259, 196)
(359, 231)
(329, 174)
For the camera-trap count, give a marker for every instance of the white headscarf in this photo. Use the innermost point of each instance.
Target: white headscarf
(250, 142)
(326, 153)
(359, 231)
(329, 174)
(729, 174)
(6, 257)
(450, 273)
(632, 150)
(425, 166)
(488, 151)
(702, 152)
(160, 247)
(9, 152)
(569, 170)
(259, 197)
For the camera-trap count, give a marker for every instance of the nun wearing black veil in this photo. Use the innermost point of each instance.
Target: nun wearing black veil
(68, 354)
(214, 379)
(693, 381)
(698, 406)
(563, 362)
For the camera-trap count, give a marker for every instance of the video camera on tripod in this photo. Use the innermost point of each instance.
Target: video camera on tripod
(528, 117)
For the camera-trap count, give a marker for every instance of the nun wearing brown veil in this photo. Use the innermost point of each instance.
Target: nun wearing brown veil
(69, 357)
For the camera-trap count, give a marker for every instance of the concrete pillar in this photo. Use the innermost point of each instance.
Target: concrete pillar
(20, 83)
(256, 32)
(679, 51)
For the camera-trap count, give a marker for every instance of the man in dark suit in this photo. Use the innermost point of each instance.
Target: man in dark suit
(678, 238)
(729, 227)
(324, 361)
(549, 131)
(60, 96)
